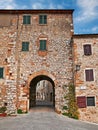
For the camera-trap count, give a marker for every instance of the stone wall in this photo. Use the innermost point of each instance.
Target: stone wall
(57, 60)
(8, 40)
(19, 65)
(83, 87)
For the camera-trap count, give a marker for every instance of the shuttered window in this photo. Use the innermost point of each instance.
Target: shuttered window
(87, 49)
(89, 75)
(42, 19)
(81, 101)
(42, 45)
(26, 19)
(90, 101)
(1, 72)
(25, 46)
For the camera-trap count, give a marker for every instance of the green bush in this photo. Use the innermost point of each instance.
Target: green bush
(3, 109)
(65, 114)
(19, 111)
(65, 108)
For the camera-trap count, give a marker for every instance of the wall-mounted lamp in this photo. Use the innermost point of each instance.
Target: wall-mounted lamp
(77, 67)
(69, 42)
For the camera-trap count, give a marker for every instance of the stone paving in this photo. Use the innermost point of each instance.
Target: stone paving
(43, 119)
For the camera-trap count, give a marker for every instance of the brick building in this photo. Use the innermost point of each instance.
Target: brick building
(40, 45)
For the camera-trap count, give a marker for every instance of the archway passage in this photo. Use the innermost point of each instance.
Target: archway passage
(42, 92)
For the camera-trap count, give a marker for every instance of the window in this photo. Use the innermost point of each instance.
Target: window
(89, 75)
(87, 49)
(42, 19)
(1, 72)
(42, 45)
(90, 101)
(81, 101)
(25, 46)
(26, 19)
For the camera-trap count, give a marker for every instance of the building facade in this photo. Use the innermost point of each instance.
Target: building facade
(38, 45)
(86, 79)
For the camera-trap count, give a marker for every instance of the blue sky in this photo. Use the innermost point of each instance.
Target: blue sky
(85, 16)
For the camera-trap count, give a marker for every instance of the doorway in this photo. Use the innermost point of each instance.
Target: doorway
(42, 92)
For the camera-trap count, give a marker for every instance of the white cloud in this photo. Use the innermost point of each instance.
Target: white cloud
(11, 4)
(41, 4)
(7, 4)
(95, 29)
(88, 10)
(38, 5)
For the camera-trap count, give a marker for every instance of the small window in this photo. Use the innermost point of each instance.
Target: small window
(42, 45)
(81, 101)
(1, 72)
(89, 75)
(42, 19)
(87, 49)
(25, 46)
(90, 101)
(26, 19)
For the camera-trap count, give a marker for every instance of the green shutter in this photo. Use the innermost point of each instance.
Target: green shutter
(40, 19)
(25, 46)
(1, 72)
(42, 44)
(43, 19)
(26, 19)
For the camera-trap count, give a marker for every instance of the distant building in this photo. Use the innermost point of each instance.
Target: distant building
(44, 91)
(37, 45)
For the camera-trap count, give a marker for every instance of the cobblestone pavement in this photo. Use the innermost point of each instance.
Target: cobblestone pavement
(45, 119)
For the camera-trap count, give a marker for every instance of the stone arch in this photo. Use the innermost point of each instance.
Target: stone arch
(34, 78)
(42, 72)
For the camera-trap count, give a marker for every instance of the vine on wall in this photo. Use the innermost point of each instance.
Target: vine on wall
(71, 109)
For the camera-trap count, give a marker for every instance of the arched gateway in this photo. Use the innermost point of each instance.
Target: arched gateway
(34, 79)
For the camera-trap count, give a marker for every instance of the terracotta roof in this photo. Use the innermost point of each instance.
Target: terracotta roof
(36, 11)
(84, 35)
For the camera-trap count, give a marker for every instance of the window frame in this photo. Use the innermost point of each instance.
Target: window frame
(42, 49)
(93, 79)
(43, 20)
(2, 75)
(85, 104)
(90, 51)
(88, 105)
(26, 47)
(25, 21)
